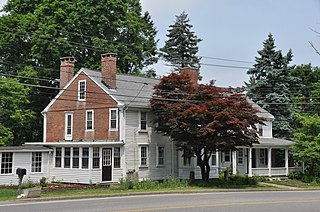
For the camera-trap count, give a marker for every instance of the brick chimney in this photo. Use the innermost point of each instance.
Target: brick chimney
(109, 69)
(193, 73)
(66, 70)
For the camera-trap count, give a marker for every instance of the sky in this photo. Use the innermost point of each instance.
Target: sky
(235, 30)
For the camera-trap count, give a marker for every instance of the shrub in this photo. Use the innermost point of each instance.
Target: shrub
(171, 182)
(127, 183)
(43, 182)
(296, 175)
(148, 184)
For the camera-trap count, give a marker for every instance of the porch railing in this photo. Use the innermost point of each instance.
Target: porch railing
(275, 171)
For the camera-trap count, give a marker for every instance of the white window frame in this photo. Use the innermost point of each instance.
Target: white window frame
(140, 120)
(12, 163)
(110, 111)
(158, 156)
(34, 164)
(240, 156)
(68, 136)
(92, 117)
(146, 156)
(96, 157)
(116, 157)
(79, 91)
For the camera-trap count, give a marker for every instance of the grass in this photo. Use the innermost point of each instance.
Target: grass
(296, 183)
(8, 194)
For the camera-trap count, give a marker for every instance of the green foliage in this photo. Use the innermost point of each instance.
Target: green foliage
(307, 143)
(270, 86)
(171, 182)
(16, 118)
(203, 118)
(43, 182)
(296, 175)
(182, 45)
(148, 184)
(127, 183)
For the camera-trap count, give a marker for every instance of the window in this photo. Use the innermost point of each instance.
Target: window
(240, 156)
(214, 159)
(67, 154)
(160, 158)
(186, 158)
(262, 157)
(260, 130)
(58, 157)
(81, 90)
(85, 158)
(75, 157)
(116, 157)
(6, 162)
(89, 120)
(226, 156)
(68, 126)
(113, 119)
(143, 120)
(143, 156)
(96, 158)
(36, 162)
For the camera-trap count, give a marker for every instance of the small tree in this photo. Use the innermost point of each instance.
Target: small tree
(181, 47)
(203, 118)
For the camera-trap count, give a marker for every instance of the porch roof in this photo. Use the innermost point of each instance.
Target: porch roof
(270, 142)
(24, 148)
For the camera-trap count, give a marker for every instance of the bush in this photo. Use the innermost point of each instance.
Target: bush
(43, 182)
(171, 182)
(127, 183)
(296, 175)
(148, 184)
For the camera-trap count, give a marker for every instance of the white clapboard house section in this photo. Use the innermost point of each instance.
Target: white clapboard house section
(142, 151)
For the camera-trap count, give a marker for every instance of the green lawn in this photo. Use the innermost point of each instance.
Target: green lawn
(296, 183)
(11, 193)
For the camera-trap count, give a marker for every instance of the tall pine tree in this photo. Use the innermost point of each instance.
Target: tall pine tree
(269, 86)
(182, 45)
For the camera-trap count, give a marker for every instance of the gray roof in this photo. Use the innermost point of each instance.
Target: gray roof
(274, 142)
(25, 148)
(133, 91)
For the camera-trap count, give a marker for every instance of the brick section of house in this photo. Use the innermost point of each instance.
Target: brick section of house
(96, 99)
(66, 70)
(109, 69)
(193, 73)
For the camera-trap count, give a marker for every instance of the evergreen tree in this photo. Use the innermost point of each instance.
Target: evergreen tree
(269, 86)
(181, 47)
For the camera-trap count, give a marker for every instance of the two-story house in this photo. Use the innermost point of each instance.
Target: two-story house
(99, 128)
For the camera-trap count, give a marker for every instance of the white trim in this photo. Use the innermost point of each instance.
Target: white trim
(44, 127)
(71, 81)
(92, 111)
(117, 121)
(67, 136)
(85, 90)
(80, 144)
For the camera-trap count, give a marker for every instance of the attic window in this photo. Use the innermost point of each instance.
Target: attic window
(82, 90)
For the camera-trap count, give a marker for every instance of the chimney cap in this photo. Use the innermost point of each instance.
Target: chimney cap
(68, 59)
(109, 55)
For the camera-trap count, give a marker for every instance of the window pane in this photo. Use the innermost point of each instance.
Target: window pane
(36, 162)
(82, 90)
(85, 158)
(113, 119)
(143, 155)
(143, 120)
(67, 157)
(96, 158)
(116, 156)
(75, 159)
(89, 120)
(58, 157)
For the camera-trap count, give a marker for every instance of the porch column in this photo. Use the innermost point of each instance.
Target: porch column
(234, 162)
(250, 162)
(286, 155)
(269, 161)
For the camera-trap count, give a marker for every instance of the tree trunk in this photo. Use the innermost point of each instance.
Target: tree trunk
(204, 167)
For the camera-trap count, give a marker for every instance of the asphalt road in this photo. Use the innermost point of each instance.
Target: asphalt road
(262, 201)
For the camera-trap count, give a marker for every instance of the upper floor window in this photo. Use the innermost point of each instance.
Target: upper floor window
(36, 162)
(89, 120)
(81, 90)
(143, 120)
(113, 119)
(260, 130)
(68, 125)
(6, 162)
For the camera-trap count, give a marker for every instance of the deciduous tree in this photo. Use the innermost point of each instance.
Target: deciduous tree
(203, 118)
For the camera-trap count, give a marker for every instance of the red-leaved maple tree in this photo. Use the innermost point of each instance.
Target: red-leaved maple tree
(202, 119)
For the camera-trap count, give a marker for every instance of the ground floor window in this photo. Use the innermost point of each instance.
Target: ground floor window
(116, 158)
(96, 158)
(240, 156)
(160, 154)
(143, 155)
(36, 162)
(67, 157)
(214, 159)
(6, 162)
(58, 157)
(75, 157)
(85, 158)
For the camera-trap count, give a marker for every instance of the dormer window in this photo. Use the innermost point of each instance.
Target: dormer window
(260, 130)
(82, 90)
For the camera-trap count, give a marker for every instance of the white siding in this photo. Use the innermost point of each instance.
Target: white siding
(23, 160)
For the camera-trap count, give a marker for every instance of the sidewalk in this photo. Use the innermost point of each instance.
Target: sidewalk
(281, 186)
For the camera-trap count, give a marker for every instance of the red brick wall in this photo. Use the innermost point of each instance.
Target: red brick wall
(96, 99)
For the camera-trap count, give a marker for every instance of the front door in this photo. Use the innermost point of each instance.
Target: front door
(106, 164)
